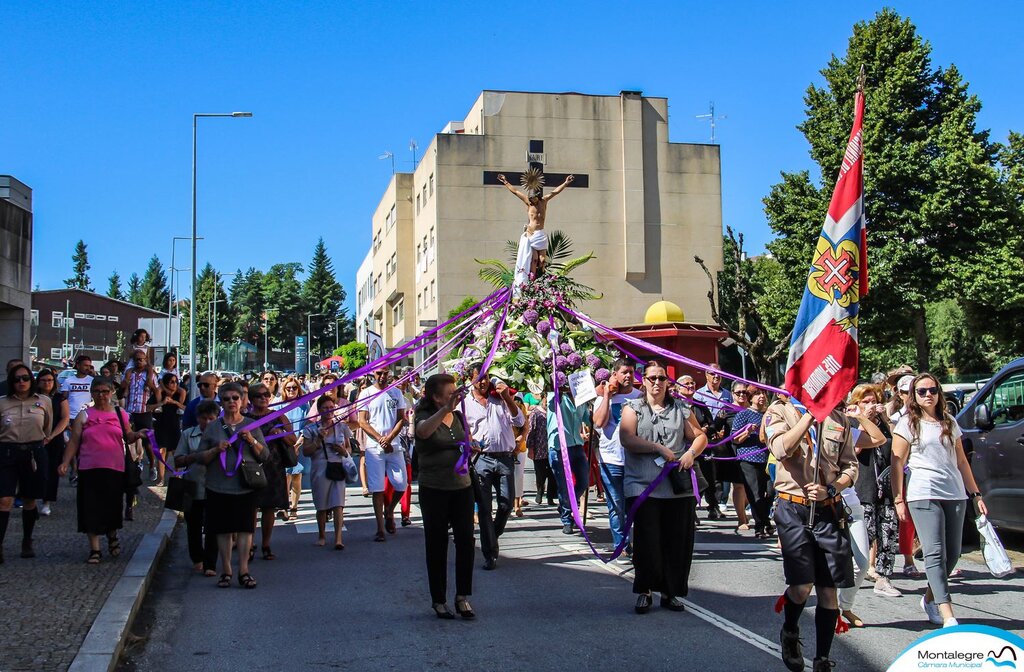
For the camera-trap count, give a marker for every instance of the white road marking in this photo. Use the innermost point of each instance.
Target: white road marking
(720, 622)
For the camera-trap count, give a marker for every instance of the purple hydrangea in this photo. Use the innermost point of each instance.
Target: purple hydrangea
(543, 328)
(565, 348)
(575, 361)
(530, 316)
(561, 361)
(602, 375)
(561, 379)
(593, 361)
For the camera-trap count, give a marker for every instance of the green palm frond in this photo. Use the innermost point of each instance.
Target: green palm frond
(572, 264)
(495, 273)
(519, 359)
(559, 247)
(512, 249)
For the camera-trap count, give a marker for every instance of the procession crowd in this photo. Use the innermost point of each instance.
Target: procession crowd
(656, 449)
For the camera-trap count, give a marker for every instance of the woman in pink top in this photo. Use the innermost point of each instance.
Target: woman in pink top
(97, 438)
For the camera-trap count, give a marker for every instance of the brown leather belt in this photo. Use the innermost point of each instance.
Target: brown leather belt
(803, 501)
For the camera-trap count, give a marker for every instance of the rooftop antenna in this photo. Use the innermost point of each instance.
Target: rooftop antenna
(713, 118)
(389, 155)
(412, 148)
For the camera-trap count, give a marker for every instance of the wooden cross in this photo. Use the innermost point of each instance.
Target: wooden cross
(535, 159)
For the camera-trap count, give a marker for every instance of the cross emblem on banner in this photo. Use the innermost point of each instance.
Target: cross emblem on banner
(837, 271)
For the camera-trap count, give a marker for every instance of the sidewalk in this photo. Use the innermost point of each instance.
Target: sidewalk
(51, 601)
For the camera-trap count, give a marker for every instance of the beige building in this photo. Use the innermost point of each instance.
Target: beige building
(642, 204)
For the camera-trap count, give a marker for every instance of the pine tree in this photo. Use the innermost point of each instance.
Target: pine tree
(135, 289)
(210, 287)
(80, 280)
(247, 304)
(114, 290)
(322, 294)
(282, 294)
(931, 188)
(153, 291)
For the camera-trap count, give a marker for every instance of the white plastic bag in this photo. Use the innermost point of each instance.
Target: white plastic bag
(995, 555)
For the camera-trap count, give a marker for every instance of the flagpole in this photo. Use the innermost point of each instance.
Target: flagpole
(814, 480)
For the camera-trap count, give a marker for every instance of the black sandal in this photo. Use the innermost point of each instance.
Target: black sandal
(267, 553)
(643, 603)
(467, 612)
(225, 581)
(246, 581)
(113, 546)
(441, 610)
(94, 558)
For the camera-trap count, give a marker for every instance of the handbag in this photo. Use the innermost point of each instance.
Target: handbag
(253, 476)
(132, 470)
(996, 559)
(180, 493)
(335, 471)
(289, 456)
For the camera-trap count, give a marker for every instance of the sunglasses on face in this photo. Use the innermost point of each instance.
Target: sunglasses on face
(656, 379)
(231, 398)
(102, 390)
(22, 379)
(204, 384)
(741, 394)
(926, 391)
(291, 389)
(260, 395)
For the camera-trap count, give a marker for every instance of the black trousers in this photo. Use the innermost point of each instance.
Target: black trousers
(755, 482)
(441, 509)
(54, 456)
(494, 476)
(707, 467)
(202, 546)
(545, 477)
(663, 533)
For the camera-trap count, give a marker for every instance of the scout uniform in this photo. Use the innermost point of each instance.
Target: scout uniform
(821, 555)
(24, 424)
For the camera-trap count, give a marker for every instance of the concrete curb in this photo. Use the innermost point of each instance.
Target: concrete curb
(103, 644)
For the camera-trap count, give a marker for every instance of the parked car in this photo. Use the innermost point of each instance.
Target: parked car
(958, 394)
(993, 425)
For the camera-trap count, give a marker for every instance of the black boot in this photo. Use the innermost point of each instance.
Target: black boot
(28, 523)
(5, 516)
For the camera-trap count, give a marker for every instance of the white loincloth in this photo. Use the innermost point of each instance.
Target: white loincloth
(527, 245)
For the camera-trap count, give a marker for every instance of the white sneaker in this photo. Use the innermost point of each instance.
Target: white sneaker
(931, 610)
(44, 509)
(950, 623)
(884, 587)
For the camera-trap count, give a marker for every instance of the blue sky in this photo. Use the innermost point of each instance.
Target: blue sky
(98, 100)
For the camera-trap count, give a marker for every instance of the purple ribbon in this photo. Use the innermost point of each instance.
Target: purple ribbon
(151, 437)
(386, 360)
(462, 465)
(668, 354)
(567, 473)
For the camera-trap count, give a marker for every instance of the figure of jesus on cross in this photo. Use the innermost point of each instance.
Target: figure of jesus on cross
(533, 244)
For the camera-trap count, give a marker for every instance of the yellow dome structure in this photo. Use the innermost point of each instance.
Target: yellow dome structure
(662, 312)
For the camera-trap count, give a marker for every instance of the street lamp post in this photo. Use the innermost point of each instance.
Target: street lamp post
(266, 333)
(170, 295)
(212, 331)
(192, 305)
(309, 344)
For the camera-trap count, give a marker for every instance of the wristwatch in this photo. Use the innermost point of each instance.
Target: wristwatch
(973, 495)
(831, 490)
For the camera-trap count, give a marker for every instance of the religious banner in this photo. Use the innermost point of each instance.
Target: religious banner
(824, 352)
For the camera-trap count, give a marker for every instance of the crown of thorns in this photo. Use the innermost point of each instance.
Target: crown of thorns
(532, 180)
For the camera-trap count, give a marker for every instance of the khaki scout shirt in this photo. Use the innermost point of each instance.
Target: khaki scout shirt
(25, 420)
(796, 468)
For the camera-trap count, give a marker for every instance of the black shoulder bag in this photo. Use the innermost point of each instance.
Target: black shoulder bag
(334, 471)
(251, 473)
(132, 473)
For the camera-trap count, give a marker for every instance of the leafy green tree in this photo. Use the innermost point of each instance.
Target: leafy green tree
(956, 349)
(323, 294)
(354, 353)
(153, 291)
(465, 304)
(560, 262)
(931, 188)
(283, 291)
(80, 259)
(135, 289)
(247, 305)
(210, 287)
(114, 290)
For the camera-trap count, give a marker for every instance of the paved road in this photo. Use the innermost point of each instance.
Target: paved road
(548, 606)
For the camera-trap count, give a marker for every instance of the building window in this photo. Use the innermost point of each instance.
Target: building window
(424, 194)
(33, 351)
(111, 318)
(419, 251)
(398, 313)
(392, 266)
(57, 323)
(56, 353)
(431, 184)
(417, 204)
(433, 294)
(34, 318)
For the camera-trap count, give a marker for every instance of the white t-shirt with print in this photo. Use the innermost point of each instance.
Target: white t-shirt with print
(383, 410)
(933, 470)
(78, 393)
(608, 436)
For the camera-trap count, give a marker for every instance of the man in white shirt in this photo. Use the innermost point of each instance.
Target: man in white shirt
(492, 412)
(77, 386)
(382, 418)
(611, 395)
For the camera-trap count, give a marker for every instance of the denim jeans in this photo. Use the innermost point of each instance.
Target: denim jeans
(612, 476)
(581, 478)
